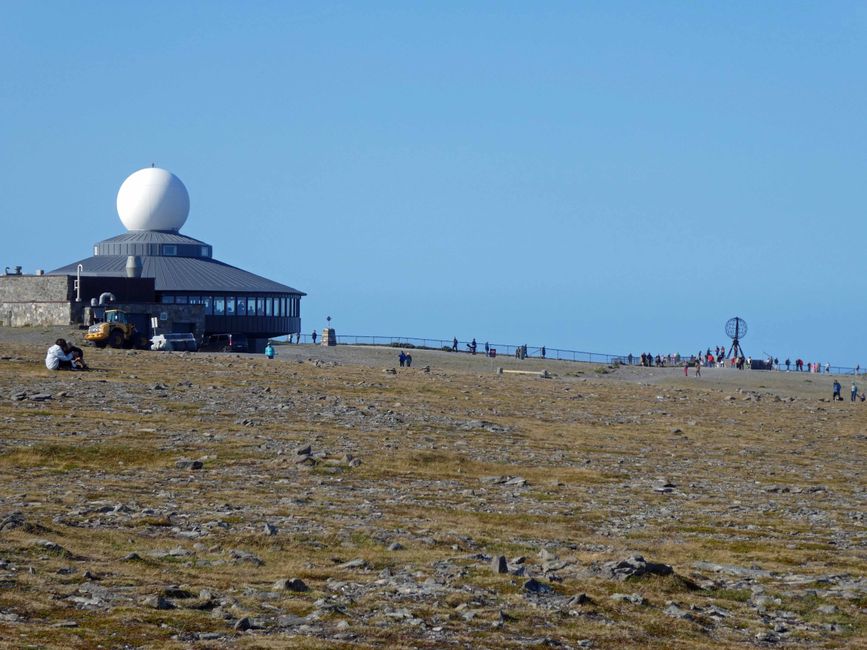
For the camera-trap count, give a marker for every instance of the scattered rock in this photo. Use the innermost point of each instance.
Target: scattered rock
(675, 611)
(357, 563)
(186, 463)
(157, 602)
(244, 556)
(288, 620)
(291, 584)
(533, 586)
(635, 567)
(635, 599)
(579, 599)
(499, 564)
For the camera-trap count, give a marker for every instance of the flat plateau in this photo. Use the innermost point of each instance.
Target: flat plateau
(331, 499)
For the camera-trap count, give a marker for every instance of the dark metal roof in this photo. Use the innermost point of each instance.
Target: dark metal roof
(152, 237)
(180, 273)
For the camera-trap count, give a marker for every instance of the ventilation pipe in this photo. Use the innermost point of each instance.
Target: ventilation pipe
(106, 298)
(133, 266)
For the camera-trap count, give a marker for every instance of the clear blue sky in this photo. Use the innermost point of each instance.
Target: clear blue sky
(605, 176)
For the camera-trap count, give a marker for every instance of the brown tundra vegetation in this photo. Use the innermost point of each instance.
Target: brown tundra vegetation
(330, 499)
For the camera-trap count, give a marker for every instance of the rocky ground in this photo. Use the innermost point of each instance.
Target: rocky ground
(328, 499)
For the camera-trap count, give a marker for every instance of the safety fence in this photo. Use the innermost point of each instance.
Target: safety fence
(536, 352)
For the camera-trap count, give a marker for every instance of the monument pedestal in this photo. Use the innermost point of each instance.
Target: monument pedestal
(329, 336)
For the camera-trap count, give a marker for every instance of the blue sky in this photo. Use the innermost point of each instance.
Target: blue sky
(605, 176)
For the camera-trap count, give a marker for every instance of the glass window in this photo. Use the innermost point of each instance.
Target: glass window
(205, 251)
(269, 306)
(167, 300)
(209, 306)
(180, 300)
(230, 305)
(195, 300)
(242, 306)
(251, 306)
(278, 307)
(170, 249)
(219, 306)
(260, 306)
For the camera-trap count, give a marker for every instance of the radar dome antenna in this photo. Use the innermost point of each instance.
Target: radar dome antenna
(736, 329)
(153, 199)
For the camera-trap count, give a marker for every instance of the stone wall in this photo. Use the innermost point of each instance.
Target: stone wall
(34, 300)
(35, 288)
(19, 314)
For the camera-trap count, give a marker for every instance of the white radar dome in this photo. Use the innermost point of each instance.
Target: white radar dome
(153, 199)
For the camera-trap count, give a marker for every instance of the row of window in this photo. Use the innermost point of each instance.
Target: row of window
(278, 306)
(168, 250)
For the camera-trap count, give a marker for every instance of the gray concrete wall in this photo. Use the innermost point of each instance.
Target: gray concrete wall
(35, 288)
(17, 314)
(36, 300)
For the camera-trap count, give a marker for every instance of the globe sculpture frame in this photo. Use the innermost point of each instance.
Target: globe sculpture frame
(736, 329)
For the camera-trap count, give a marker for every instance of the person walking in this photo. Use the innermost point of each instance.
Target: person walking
(269, 350)
(837, 397)
(313, 336)
(854, 392)
(455, 344)
(698, 367)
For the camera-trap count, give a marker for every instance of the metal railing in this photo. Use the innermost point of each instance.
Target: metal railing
(534, 352)
(501, 349)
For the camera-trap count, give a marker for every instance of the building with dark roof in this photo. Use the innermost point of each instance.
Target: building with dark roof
(154, 271)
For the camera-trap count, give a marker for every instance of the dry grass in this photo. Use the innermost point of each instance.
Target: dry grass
(590, 447)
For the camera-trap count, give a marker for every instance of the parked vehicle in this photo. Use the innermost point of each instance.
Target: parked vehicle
(174, 341)
(224, 343)
(116, 331)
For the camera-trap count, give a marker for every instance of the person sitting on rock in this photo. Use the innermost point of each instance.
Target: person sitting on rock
(58, 358)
